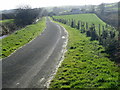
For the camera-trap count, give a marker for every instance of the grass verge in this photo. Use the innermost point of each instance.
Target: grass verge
(20, 38)
(7, 21)
(85, 64)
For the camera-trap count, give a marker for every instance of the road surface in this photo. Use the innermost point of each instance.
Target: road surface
(33, 65)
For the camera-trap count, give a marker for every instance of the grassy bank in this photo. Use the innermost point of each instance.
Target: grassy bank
(21, 37)
(85, 64)
(7, 21)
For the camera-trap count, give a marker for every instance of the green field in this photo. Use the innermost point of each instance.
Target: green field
(21, 37)
(85, 64)
(7, 21)
(89, 18)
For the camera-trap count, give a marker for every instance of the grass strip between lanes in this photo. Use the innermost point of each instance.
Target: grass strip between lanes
(85, 64)
(20, 38)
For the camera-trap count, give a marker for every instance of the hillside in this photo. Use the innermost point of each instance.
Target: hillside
(85, 64)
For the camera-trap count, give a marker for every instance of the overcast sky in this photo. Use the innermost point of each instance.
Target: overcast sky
(12, 4)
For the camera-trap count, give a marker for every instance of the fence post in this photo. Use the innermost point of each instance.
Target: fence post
(86, 26)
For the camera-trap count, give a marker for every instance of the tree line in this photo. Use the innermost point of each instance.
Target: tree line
(106, 35)
(25, 15)
(22, 16)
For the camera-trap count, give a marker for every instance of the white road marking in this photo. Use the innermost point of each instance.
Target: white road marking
(41, 80)
(38, 83)
(17, 83)
(63, 51)
(63, 37)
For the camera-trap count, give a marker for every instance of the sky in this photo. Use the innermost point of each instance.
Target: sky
(12, 4)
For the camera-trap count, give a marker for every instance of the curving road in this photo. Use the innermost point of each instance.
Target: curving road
(33, 65)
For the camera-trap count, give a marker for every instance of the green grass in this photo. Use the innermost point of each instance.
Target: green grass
(85, 64)
(7, 21)
(20, 38)
(89, 18)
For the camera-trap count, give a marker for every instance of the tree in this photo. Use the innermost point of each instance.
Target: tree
(88, 33)
(112, 34)
(25, 15)
(92, 9)
(56, 10)
(82, 28)
(93, 33)
(83, 10)
(7, 16)
(101, 8)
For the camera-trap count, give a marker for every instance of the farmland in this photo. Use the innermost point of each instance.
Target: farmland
(93, 26)
(89, 18)
(86, 65)
(21, 37)
(7, 21)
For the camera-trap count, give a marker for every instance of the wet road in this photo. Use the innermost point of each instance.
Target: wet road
(33, 65)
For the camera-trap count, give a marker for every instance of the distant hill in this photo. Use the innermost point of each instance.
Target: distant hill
(108, 8)
(8, 11)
